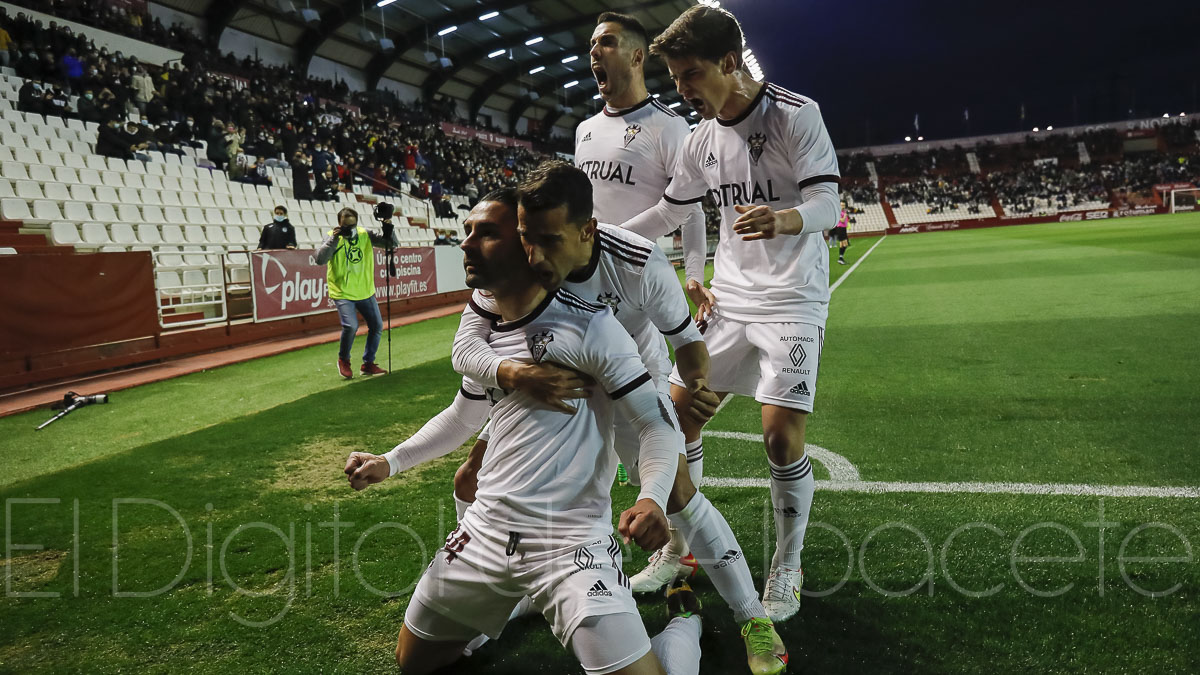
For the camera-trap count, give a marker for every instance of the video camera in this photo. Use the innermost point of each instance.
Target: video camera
(71, 402)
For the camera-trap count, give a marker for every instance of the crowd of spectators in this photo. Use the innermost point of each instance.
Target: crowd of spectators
(942, 193)
(1046, 188)
(250, 116)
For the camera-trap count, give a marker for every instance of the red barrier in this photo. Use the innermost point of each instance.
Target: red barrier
(1074, 216)
(287, 284)
(56, 302)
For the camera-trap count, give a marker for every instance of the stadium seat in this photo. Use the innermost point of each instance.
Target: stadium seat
(188, 185)
(149, 196)
(214, 216)
(36, 143)
(223, 201)
(28, 189)
(149, 234)
(15, 209)
(122, 233)
(170, 198)
(6, 188)
(152, 213)
(96, 162)
(136, 166)
(155, 169)
(133, 179)
(206, 199)
(89, 177)
(115, 164)
(251, 234)
(171, 183)
(105, 193)
(195, 215)
(104, 212)
(174, 215)
(215, 234)
(46, 211)
(65, 174)
(59, 145)
(26, 156)
(95, 233)
(153, 181)
(172, 234)
(77, 211)
(41, 173)
(51, 158)
(74, 161)
(172, 168)
(64, 234)
(129, 195)
(189, 198)
(82, 193)
(14, 171)
(112, 179)
(129, 213)
(57, 192)
(194, 234)
(81, 148)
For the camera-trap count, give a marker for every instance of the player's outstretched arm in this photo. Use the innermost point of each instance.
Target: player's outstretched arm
(473, 357)
(448, 430)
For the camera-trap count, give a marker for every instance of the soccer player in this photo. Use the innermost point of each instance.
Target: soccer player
(541, 525)
(838, 234)
(628, 149)
(567, 248)
(764, 155)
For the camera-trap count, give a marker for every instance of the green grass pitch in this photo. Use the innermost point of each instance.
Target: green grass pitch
(188, 525)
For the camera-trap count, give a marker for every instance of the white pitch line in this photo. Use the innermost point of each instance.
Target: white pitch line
(840, 469)
(1066, 489)
(853, 267)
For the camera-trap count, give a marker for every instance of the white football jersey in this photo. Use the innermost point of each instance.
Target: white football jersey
(630, 156)
(777, 147)
(546, 473)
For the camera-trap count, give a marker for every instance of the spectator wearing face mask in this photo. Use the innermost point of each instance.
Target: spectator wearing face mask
(143, 89)
(278, 234)
(86, 109)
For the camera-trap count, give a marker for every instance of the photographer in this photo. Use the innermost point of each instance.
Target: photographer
(348, 252)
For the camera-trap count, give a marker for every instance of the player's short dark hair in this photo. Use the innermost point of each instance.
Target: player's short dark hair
(280, 207)
(506, 196)
(629, 26)
(555, 183)
(704, 32)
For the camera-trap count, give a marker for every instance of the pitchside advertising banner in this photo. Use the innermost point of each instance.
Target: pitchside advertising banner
(287, 284)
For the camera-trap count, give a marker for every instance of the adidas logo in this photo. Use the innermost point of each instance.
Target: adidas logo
(586, 137)
(731, 556)
(788, 512)
(599, 589)
(801, 389)
(710, 162)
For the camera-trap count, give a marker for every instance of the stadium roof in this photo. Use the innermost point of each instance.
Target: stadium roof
(880, 69)
(513, 56)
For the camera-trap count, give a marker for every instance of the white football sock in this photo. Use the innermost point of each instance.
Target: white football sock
(717, 551)
(792, 489)
(695, 461)
(678, 646)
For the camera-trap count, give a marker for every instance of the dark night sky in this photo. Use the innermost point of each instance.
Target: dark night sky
(874, 64)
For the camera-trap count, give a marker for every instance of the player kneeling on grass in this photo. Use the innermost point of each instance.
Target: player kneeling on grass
(569, 250)
(541, 525)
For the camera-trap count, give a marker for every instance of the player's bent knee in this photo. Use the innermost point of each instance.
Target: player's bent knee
(784, 446)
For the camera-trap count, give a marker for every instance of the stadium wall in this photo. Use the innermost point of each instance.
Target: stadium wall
(1065, 217)
(170, 15)
(245, 44)
(66, 331)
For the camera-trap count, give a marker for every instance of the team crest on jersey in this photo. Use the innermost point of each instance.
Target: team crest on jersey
(586, 137)
(538, 343)
(610, 299)
(631, 133)
(756, 143)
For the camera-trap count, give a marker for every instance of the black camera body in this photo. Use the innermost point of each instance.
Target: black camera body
(384, 211)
